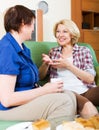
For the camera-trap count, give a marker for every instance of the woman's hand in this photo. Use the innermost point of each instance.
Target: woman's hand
(46, 59)
(61, 63)
(56, 87)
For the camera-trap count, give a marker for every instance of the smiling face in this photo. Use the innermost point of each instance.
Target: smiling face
(66, 32)
(63, 35)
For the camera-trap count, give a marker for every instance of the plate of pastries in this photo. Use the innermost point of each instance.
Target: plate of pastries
(80, 124)
(37, 125)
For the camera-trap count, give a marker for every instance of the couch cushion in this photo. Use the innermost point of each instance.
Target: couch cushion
(97, 75)
(37, 48)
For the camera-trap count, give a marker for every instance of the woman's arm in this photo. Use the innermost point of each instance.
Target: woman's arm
(8, 96)
(83, 75)
(43, 69)
(85, 71)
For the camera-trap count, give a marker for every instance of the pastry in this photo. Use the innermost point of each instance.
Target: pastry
(92, 122)
(73, 125)
(41, 125)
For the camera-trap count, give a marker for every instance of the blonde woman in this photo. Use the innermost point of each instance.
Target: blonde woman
(74, 65)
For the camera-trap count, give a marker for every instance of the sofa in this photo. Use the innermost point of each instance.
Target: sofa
(37, 48)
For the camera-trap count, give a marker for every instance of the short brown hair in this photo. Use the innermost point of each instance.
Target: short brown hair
(15, 16)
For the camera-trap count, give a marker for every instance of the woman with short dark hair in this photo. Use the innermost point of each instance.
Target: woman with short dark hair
(19, 97)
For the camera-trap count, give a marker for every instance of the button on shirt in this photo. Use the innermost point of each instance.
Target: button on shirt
(17, 61)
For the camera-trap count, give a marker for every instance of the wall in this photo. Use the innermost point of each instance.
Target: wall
(58, 9)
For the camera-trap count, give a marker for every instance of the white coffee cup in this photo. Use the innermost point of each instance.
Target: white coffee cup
(53, 80)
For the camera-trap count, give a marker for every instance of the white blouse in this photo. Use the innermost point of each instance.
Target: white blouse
(71, 82)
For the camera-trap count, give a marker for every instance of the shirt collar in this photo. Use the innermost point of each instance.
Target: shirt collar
(14, 42)
(59, 48)
(75, 48)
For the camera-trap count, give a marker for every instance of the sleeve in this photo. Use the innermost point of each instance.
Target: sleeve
(8, 62)
(88, 61)
(50, 53)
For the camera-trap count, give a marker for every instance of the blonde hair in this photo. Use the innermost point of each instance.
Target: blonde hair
(71, 26)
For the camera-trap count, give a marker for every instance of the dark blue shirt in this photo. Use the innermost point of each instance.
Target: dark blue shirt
(17, 61)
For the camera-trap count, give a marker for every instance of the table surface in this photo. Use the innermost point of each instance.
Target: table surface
(5, 124)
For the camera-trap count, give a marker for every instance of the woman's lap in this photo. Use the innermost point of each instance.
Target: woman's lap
(93, 95)
(49, 106)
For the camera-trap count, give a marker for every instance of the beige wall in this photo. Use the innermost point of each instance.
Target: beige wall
(58, 9)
